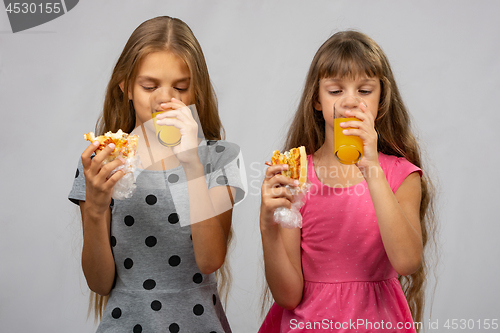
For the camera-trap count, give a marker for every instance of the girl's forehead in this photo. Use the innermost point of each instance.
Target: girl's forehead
(161, 63)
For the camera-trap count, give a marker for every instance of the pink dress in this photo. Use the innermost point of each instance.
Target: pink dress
(349, 283)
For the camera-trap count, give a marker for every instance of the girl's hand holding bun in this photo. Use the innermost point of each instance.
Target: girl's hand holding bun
(98, 182)
(274, 194)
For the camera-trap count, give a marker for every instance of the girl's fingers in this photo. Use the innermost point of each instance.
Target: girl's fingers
(96, 162)
(351, 124)
(274, 170)
(280, 181)
(106, 170)
(171, 122)
(279, 192)
(173, 104)
(356, 114)
(87, 153)
(111, 181)
(171, 114)
(280, 202)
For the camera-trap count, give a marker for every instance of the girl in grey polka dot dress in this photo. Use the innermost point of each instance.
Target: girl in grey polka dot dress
(151, 259)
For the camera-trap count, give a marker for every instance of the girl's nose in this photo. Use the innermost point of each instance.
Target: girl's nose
(163, 95)
(351, 102)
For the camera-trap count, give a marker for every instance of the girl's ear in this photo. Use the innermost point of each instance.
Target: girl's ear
(122, 86)
(317, 106)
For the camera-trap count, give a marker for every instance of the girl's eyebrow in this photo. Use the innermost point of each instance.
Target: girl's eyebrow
(184, 79)
(146, 78)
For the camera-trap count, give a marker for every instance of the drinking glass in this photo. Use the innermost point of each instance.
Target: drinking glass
(167, 135)
(348, 148)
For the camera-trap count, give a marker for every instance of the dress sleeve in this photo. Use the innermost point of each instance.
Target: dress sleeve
(225, 167)
(401, 169)
(77, 192)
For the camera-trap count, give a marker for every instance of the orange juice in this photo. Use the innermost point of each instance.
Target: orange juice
(348, 148)
(167, 135)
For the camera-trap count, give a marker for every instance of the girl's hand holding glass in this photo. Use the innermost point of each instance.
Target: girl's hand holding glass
(175, 126)
(354, 133)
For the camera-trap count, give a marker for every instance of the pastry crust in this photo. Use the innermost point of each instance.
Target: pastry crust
(125, 145)
(296, 159)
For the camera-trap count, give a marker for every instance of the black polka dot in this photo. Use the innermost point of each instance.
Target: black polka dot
(198, 278)
(173, 328)
(112, 240)
(208, 168)
(129, 220)
(214, 299)
(151, 199)
(151, 241)
(137, 329)
(173, 218)
(174, 261)
(220, 149)
(149, 284)
(156, 305)
(116, 313)
(198, 309)
(128, 263)
(221, 180)
(173, 178)
(211, 142)
(77, 173)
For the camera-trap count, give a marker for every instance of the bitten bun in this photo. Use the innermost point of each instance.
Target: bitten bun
(125, 145)
(296, 159)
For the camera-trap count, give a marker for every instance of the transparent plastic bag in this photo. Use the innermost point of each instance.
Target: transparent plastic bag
(125, 187)
(290, 217)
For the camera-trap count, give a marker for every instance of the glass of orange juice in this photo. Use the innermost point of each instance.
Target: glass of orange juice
(167, 135)
(348, 148)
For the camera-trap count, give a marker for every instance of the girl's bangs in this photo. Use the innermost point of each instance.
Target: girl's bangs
(349, 60)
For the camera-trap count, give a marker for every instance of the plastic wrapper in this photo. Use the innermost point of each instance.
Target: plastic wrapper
(291, 218)
(125, 187)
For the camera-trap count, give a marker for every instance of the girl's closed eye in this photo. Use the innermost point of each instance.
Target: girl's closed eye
(149, 88)
(364, 92)
(181, 89)
(335, 92)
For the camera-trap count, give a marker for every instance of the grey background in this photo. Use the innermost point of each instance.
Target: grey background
(445, 56)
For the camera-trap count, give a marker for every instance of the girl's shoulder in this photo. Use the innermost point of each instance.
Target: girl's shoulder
(220, 150)
(396, 169)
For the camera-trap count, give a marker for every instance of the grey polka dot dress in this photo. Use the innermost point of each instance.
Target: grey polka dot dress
(158, 286)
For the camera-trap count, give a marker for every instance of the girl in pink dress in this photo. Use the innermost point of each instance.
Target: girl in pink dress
(357, 264)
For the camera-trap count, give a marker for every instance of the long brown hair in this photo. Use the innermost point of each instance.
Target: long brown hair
(350, 54)
(162, 33)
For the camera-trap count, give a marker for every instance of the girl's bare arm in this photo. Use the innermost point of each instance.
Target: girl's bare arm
(281, 247)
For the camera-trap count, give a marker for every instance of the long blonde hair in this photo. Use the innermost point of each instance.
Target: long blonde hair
(162, 33)
(350, 54)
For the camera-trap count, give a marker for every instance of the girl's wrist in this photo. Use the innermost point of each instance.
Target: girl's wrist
(373, 172)
(193, 169)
